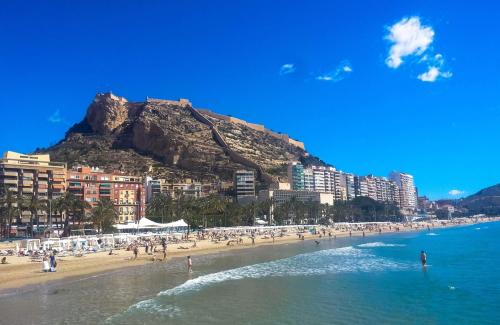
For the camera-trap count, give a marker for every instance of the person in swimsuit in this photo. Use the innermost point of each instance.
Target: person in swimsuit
(423, 258)
(189, 264)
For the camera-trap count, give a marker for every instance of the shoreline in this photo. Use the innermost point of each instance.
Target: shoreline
(21, 275)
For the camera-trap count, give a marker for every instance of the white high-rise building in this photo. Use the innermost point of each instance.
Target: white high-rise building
(308, 179)
(407, 191)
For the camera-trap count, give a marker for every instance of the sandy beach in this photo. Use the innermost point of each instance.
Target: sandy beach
(21, 272)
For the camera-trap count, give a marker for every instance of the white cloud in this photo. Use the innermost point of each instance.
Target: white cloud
(324, 78)
(342, 70)
(433, 74)
(408, 37)
(287, 68)
(347, 68)
(55, 117)
(456, 192)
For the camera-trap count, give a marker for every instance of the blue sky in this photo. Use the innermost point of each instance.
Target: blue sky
(369, 86)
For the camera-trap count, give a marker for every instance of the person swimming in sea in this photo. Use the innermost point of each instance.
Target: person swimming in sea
(423, 258)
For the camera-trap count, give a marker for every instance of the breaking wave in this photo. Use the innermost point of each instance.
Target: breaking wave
(380, 244)
(330, 261)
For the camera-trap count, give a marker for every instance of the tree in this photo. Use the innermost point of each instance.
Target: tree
(21, 204)
(103, 215)
(7, 202)
(74, 209)
(34, 206)
(160, 207)
(212, 207)
(264, 209)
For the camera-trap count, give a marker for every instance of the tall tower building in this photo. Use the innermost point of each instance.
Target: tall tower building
(407, 190)
(296, 176)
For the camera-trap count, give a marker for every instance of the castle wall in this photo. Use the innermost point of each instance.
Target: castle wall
(253, 126)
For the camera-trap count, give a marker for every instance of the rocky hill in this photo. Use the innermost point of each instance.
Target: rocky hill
(485, 201)
(172, 139)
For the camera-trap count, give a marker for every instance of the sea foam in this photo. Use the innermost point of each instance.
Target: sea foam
(330, 261)
(380, 244)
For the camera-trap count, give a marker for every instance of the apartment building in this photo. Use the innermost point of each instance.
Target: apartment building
(350, 186)
(187, 187)
(92, 184)
(296, 176)
(244, 185)
(407, 191)
(308, 180)
(377, 188)
(32, 176)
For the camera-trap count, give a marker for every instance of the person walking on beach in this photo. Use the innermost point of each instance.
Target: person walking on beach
(45, 264)
(164, 246)
(423, 258)
(136, 251)
(53, 263)
(189, 264)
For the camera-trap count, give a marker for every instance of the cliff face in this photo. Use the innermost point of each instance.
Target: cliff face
(172, 139)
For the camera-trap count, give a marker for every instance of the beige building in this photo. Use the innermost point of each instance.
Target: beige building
(407, 191)
(32, 176)
(187, 187)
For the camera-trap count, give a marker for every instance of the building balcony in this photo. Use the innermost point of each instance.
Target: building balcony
(9, 181)
(8, 173)
(43, 175)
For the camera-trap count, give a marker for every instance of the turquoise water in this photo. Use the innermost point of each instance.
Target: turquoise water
(372, 280)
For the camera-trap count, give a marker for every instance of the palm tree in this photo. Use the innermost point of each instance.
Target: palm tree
(7, 201)
(212, 206)
(161, 204)
(265, 209)
(80, 207)
(73, 208)
(34, 206)
(22, 205)
(103, 215)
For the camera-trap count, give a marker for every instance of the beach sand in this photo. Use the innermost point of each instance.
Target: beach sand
(21, 272)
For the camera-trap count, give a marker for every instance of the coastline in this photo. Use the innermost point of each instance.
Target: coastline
(21, 275)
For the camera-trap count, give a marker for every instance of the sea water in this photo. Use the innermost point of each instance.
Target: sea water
(373, 280)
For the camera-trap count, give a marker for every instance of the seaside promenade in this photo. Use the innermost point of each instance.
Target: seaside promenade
(22, 271)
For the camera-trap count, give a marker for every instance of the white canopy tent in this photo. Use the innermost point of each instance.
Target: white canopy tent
(146, 224)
